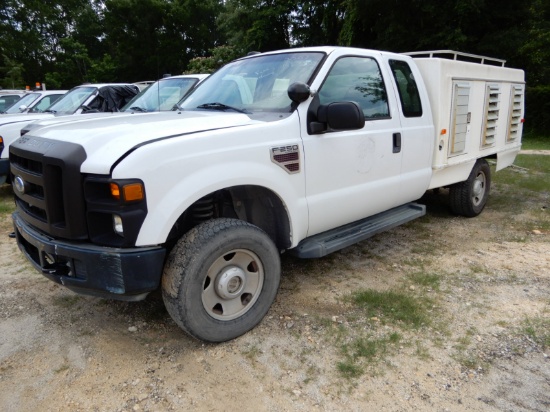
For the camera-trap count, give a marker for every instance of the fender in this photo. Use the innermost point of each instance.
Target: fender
(179, 171)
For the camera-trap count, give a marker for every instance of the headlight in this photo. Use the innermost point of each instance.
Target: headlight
(115, 209)
(117, 225)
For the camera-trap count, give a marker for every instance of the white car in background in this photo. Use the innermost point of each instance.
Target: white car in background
(86, 98)
(7, 99)
(163, 95)
(34, 102)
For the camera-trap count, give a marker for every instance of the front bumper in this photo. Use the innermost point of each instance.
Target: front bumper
(113, 273)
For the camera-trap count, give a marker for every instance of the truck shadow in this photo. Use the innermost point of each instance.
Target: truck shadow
(437, 203)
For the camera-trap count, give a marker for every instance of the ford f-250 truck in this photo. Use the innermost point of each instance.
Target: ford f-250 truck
(304, 150)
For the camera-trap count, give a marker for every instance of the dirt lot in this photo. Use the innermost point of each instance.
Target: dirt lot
(483, 283)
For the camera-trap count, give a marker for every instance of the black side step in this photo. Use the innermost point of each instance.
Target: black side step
(335, 239)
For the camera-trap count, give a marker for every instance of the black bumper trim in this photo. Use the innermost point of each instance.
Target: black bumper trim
(113, 273)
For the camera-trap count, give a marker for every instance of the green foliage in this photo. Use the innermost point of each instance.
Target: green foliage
(54, 80)
(534, 50)
(70, 41)
(150, 38)
(537, 114)
(13, 73)
(103, 70)
(218, 57)
(257, 25)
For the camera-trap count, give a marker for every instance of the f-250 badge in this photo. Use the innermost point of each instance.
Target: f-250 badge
(288, 157)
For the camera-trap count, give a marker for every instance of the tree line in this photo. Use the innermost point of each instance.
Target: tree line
(67, 42)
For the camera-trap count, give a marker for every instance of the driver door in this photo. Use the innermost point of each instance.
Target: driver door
(354, 174)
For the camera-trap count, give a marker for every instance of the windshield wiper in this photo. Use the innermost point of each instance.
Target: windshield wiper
(220, 106)
(138, 109)
(50, 111)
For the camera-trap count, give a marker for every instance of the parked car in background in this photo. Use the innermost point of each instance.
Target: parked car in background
(35, 102)
(86, 98)
(144, 84)
(162, 95)
(8, 99)
(165, 93)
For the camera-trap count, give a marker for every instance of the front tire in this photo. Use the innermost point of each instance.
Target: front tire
(220, 279)
(468, 198)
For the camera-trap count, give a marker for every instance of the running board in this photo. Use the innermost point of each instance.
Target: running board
(335, 239)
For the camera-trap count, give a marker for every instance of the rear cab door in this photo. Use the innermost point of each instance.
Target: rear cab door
(417, 126)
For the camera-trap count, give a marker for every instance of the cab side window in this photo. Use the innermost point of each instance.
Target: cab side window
(408, 90)
(357, 79)
(46, 102)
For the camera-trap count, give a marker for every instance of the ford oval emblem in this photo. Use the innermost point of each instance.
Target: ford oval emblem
(19, 184)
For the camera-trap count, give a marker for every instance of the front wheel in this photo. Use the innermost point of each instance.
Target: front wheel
(220, 279)
(468, 198)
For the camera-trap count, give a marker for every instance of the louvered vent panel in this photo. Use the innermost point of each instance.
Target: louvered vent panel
(492, 109)
(461, 101)
(516, 108)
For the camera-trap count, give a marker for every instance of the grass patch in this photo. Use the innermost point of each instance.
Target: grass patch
(468, 361)
(427, 280)
(363, 352)
(425, 248)
(417, 262)
(66, 301)
(362, 344)
(62, 368)
(7, 204)
(252, 353)
(349, 369)
(422, 352)
(392, 306)
(538, 330)
(533, 141)
(533, 175)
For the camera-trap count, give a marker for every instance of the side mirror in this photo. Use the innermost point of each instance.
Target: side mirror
(338, 116)
(22, 108)
(298, 92)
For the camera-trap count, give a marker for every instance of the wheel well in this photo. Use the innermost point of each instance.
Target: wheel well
(254, 204)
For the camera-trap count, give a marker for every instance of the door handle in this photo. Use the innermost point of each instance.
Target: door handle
(396, 142)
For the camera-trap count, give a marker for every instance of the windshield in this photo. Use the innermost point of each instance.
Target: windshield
(161, 95)
(255, 84)
(71, 101)
(45, 103)
(24, 101)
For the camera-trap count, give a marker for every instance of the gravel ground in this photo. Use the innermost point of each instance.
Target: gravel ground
(484, 348)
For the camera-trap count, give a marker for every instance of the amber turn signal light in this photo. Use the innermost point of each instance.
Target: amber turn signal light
(130, 193)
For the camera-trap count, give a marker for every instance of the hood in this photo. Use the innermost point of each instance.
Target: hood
(53, 120)
(106, 139)
(24, 117)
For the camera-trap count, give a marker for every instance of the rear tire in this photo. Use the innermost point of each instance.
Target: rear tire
(220, 279)
(468, 198)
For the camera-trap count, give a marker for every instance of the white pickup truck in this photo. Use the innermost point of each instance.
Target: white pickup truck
(304, 150)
